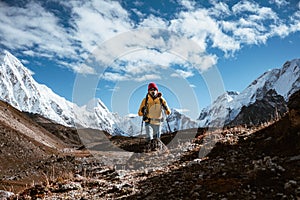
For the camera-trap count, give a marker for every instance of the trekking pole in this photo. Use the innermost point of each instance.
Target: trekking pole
(167, 121)
(141, 134)
(168, 125)
(142, 126)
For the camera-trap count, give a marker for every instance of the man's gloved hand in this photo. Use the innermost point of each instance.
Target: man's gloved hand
(146, 119)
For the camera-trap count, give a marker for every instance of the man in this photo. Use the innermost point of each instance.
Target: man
(151, 109)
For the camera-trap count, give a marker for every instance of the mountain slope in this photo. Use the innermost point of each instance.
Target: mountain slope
(24, 144)
(271, 107)
(18, 88)
(283, 82)
(34, 150)
(249, 164)
(262, 165)
(14, 119)
(218, 112)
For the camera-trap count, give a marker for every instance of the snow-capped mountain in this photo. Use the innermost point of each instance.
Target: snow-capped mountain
(270, 107)
(179, 121)
(131, 124)
(217, 113)
(18, 88)
(283, 82)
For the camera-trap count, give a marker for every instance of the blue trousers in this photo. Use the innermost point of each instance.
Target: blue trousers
(153, 131)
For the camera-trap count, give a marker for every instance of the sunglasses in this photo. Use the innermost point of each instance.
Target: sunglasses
(152, 89)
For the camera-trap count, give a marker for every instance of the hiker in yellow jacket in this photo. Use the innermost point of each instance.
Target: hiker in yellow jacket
(151, 109)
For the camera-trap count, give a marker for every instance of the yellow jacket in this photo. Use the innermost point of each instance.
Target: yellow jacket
(154, 109)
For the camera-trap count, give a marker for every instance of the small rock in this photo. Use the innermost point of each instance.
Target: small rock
(71, 186)
(5, 194)
(289, 184)
(294, 158)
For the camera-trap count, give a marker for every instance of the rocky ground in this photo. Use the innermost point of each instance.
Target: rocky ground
(235, 163)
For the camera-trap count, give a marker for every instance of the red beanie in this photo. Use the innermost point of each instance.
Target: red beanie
(152, 85)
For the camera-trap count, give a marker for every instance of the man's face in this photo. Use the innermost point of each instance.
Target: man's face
(153, 92)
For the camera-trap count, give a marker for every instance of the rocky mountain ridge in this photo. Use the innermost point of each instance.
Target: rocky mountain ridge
(265, 96)
(257, 163)
(18, 88)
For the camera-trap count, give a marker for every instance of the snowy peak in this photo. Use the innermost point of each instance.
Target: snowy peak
(226, 97)
(131, 124)
(17, 85)
(15, 65)
(283, 82)
(178, 121)
(18, 88)
(218, 111)
(289, 80)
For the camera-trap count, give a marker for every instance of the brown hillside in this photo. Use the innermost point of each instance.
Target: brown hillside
(257, 163)
(25, 149)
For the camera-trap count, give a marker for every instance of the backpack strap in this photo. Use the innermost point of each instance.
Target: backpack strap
(146, 100)
(145, 118)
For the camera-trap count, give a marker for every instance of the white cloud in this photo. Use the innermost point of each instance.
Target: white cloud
(253, 14)
(195, 25)
(114, 89)
(264, 13)
(35, 31)
(188, 4)
(153, 21)
(280, 30)
(25, 62)
(97, 21)
(199, 26)
(39, 32)
(182, 73)
(257, 25)
(114, 77)
(295, 26)
(206, 62)
(97, 24)
(220, 9)
(182, 110)
(245, 6)
(81, 69)
(280, 3)
(147, 77)
(139, 13)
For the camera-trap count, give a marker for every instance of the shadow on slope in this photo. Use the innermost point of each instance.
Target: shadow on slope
(172, 140)
(264, 164)
(30, 153)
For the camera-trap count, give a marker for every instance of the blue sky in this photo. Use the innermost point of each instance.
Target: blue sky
(193, 50)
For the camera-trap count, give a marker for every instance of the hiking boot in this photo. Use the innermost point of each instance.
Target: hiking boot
(148, 147)
(158, 144)
(153, 145)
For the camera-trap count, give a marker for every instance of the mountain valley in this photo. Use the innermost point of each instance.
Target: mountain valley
(257, 163)
(247, 148)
